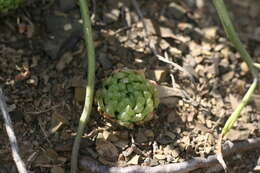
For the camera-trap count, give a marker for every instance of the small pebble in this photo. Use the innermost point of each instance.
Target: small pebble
(160, 156)
(244, 67)
(209, 124)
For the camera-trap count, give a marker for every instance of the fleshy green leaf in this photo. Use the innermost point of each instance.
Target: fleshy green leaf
(123, 104)
(137, 86)
(100, 103)
(106, 100)
(138, 117)
(121, 86)
(125, 80)
(137, 94)
(130, 88)
(113, 88)
(147, 94)
(149, 107)
(128, 97)
(140, 78)
(156, 98)
(127, 114)
(140, 104)
(108, 81)
(120, 75)
(110, 110)
(132, 77)
(132, 99)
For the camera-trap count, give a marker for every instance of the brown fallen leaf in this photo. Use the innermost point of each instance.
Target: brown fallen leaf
(134, 160)
(51, 154)
(159, 74)
(79, 94)
(57, 169)
(165, 91)
(107, 150)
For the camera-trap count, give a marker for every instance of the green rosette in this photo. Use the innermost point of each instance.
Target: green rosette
(127, 98)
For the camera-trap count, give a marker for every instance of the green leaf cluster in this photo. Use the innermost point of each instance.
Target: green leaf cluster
(6, 5)
(127, 97)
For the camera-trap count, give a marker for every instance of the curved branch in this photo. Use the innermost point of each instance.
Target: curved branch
(90, 85)
(10, 132)
(228, 148)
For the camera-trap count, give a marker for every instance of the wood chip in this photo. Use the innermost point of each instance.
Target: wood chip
(107, 150)
(57, 170)
(134, 160)
(160, 156)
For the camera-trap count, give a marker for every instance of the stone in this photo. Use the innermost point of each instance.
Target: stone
(112, 15)
(160, 156)
(219, 47)
(164, 44)
(209, 123)
(228, 76)
(134, 160)
(166, 32)
(244, 67)
(210, 32)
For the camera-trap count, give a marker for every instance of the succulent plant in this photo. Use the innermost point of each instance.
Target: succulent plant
(6, 5)
(128, 98)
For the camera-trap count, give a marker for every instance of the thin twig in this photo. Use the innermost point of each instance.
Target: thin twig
(219, 153)
(10, 132)
(90, 84)
(43, 111)
(163, 59)
(228, 148)
(44, 132)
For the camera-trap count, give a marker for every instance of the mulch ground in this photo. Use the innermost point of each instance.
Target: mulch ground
(43, 71)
